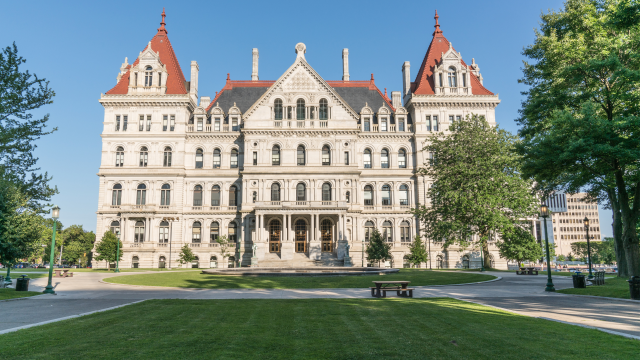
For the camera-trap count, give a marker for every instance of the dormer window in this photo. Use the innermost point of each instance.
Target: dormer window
(277, 109)
(383, 124)
(367, 124)
(234, 124)
(464, 80)
(300, 109)
(452, 77)
(199, 124)
(401, 124)
(324, 109)
(148, 76)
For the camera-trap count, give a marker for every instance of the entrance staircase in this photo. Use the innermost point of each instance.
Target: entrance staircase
(273, 260)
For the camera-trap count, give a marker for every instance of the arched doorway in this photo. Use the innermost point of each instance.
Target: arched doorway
(439, 262)
(275, 229)
(231, 262)
(326, 229)
(301, 236)
(134, 262)
(195, 262)
(162, 262)
(213, 262)
(465, 262)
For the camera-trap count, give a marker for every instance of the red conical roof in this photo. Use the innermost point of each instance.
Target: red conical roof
(424, 83)
(175, 81)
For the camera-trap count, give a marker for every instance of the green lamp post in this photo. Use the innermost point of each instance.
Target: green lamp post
(586, 227)
(55, 214)
(544, 213)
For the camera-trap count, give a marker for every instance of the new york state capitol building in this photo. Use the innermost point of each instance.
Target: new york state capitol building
(299, 167)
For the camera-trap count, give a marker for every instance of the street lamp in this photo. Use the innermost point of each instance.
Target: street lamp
(55, 214)
(544, 213)
(170, 220)
(586, 227)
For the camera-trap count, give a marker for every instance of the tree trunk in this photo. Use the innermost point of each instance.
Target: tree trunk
(629, 220)
(631, 248)
(485, 254)
(621, 258)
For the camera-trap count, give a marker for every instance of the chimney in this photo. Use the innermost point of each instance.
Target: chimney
(193, 84)
(345, 64)
(396, 99)
(205, 101)
(254, 71)
(406, 79)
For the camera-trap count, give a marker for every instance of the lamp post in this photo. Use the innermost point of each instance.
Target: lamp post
(55, 214)
(170, 220)
(586, 227)
(362, 254)
(544, 213)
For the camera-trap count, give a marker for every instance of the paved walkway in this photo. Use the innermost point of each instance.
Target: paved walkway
(523, 294)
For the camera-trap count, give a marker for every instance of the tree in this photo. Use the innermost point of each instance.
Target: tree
(21, 93)
(225, 245)
(581, 116)
(477, 188)
(186, 255)
(417, 252)
(519, 245)
(107, 248)
(570, 257)
(77, 242)
(602, 252)
(561, 258)
(377, 249)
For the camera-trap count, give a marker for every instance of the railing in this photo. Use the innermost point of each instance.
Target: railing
(324, 123)
(209, 129)
(214, 208)
(163, 244)
(390, 128)
(214, 245)
(196, 208)
(285, 204)
(300, 124)
(164, 206)
(301, 203)
(386, 207)
(115, 206)
(194, 245)
(277, 124)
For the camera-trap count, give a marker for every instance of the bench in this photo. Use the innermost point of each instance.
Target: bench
(400, 287)
(527, 271)
(63, 273)
(598, 278)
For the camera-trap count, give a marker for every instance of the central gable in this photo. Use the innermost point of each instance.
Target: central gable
(300, 79)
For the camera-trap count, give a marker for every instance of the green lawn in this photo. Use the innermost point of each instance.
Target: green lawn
(30, 270)
(198, 280)
(613, 287)
(312, 329)
(16, 274)
(13, 294)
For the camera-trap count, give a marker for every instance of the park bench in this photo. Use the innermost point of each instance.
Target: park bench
(598, 278)
(400, 287)
(63, 273)
(527, 271)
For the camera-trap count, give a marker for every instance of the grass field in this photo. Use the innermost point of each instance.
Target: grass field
(6, 294)
(613, 287)
(198, 280)
(312, 329)
(30, 270)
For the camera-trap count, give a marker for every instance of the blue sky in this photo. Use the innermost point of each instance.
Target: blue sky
(79, 47)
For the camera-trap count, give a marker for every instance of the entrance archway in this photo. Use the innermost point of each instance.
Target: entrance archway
(275, 230)
(301, 236)
(326, 229)
(162, 262)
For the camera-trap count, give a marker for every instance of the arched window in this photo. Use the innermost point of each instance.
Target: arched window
(301, 235)
(197, 195)
(233, 227)
(144, 156)
(115, 228)
(452, 77)
(277, 108)
(404, 195)
(275, 230)
(384, 158)
(148, 76)
(138, 232)
(324, 109)
(386, 195)
(166, 162)
(213, 262)
(367, 159)
(234, 159)
(275, 155)
(326, 192)
(135, 262)
(119, 156)
(326, 155)
(217, 160)
(199, 159)
(300, 109)
(402, 159)
(116, 195)
(368, 230)
(195, 262)
(404, 232)
(386, 231)
(164, 233)
(275, 192)
(301, 192)
(326, 231)
(215, 195)
(196, 232)
(141, 195)
(368, 195)
(165, 195)
(232, 196)
(214, 232)
(348, 196)
(300, 153)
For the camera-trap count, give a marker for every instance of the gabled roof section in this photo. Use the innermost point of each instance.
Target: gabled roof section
(359, 93)
(159, 43)
(243, 93)
(424, 83)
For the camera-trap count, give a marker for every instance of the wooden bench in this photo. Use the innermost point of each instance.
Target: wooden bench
(400, 287)
(598, 278)
(527, 271)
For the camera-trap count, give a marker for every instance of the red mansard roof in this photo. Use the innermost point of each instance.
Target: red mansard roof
(175, 81)
(424, 83)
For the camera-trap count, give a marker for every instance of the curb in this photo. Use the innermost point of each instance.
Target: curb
(601, 297)
(23, 298)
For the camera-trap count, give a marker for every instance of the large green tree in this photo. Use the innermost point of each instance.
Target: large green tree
(477, 188)
(377, 249)
(518, 244)
(107, 248)
(581, 116)
(417, 253)
(77, 243)
(186, 256)
(602, 252)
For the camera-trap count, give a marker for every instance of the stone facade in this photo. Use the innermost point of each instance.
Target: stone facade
(300, 168)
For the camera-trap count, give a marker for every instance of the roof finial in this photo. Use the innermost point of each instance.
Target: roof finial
(162, 24)
(385, 92)
(372, 78)
(228, 77)
(437, 26)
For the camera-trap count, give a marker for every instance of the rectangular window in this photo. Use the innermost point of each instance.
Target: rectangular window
(428, 120)
(141, 123)
(435, 123)
(367, 124)
(199, 128)
(458, 118)
(216, 124)
(159, 79)
(117, 122)
(401, 124)
(383, 124)
(346, 158)
(451, 119)
(172, 124)
(148, 122)
(255, 158)
(165, 122)
(234, 124)
(124, 122)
